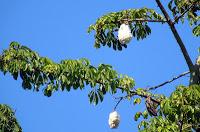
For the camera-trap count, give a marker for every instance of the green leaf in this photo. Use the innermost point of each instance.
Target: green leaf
(100, 94)
(15, 75)
(48, 91)
(96, 99)
(91, 96)
(26, 84)
(137, 101)
(196, 31)
(137, 116)
(145, 114)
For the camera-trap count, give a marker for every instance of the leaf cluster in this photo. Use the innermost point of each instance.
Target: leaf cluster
(187, 9)
(8, 122)
(180, 111)
(106, 27)
(36, 71)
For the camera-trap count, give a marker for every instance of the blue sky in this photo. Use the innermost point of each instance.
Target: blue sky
(57, 29)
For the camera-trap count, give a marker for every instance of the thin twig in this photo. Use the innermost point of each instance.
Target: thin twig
(121, 98)
(169, 81)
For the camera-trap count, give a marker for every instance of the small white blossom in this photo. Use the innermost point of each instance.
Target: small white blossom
(124, 34)
(114, 119)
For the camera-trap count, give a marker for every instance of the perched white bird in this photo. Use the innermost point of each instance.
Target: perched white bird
(114, 119)
(124, 34)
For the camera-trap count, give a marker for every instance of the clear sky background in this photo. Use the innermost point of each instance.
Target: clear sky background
(57, 29)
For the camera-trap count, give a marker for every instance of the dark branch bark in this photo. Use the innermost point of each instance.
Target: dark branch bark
(176, 35)
(169, 81)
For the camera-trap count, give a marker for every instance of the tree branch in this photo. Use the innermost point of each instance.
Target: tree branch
(132, 93)
(177, 18)
(152, 88)
(176, 35)
(169, 81)
(145, 96)
(145, 20)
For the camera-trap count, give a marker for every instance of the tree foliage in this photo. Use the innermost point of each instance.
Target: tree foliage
(181, 109)
(8, 122)
(36, 71)
(186, 9)
(106, 26)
